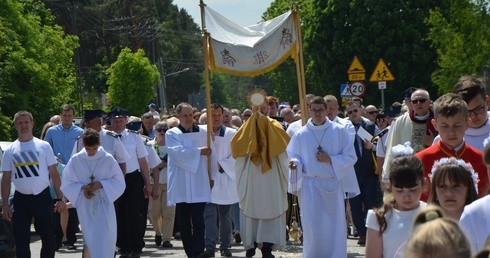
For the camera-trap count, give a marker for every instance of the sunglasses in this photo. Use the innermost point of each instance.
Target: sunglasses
(355, 110)
(416, 101)
(246, 115)
(161, 130)
(373, 112)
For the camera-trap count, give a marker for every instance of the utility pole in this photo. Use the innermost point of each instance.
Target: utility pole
(77, 55)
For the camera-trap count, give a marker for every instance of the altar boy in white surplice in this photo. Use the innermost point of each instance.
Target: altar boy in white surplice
(92, 181)
(323, 154)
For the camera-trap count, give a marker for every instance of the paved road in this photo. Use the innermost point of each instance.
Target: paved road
(354, 251)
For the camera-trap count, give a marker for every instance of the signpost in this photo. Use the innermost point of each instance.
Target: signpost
(357, 88)
(381, 74)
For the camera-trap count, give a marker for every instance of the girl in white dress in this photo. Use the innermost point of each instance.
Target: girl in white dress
(388, 227)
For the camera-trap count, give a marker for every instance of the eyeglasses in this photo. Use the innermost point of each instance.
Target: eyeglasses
(478, 110)
(372, 112)
(161, 130)
(246, 115)
(355, 110)
(416, 101)
(317, 111)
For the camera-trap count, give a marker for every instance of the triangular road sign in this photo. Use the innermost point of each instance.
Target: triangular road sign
(381, 73)
(356, 67)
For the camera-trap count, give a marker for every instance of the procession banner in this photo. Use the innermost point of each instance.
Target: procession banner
(250, 50)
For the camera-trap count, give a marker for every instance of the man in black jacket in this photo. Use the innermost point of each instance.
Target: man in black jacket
(365, 170)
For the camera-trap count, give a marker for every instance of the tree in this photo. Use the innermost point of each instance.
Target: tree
(335, 31)
(132, 80)
(461, 35)
(36, 68)
(158, 27)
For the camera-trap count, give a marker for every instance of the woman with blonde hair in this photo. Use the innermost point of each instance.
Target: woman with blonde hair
(435, 236)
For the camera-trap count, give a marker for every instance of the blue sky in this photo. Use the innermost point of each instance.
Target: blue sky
(242, 12)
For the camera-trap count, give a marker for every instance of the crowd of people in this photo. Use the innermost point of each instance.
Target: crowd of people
(408, 181)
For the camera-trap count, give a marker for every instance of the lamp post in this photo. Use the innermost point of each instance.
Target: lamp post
(163, 95)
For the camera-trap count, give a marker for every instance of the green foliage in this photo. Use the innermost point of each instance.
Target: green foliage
(156, 26)
(132, 80)
(36, 68)
(5, 128)
(335, 31)
(461, 35)
(218, 94)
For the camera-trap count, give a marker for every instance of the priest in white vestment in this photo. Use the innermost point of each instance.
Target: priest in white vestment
(188, 179)
(92, 181)
(261, 166)
(324, 155)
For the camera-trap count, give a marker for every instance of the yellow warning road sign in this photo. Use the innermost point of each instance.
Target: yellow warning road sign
(381, 73)
(356, 67)
(345, 101)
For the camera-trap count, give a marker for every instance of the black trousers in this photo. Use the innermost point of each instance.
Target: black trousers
(192, 233)
(367, 199)
(72, 227)
(40, 207)
(130, 231)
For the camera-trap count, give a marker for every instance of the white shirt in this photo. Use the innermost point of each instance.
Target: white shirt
(112, 144)
(29, 162)
(136, 149)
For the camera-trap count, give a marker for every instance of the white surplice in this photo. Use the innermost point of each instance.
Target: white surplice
(224, 191)
(187, 174)
(97, 215)
(349, 182)
(320, 184)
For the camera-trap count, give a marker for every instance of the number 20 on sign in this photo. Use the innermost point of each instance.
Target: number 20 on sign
(357, 89)
(357, 77)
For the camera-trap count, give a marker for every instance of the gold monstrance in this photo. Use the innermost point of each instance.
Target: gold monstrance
(256, 98)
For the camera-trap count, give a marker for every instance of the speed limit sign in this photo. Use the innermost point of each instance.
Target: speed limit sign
(357, 89)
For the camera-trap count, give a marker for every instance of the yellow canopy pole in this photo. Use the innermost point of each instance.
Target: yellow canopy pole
(300, 70)
(205, 45)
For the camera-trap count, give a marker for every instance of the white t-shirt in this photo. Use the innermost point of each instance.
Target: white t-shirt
(29, 162)
(399, 226)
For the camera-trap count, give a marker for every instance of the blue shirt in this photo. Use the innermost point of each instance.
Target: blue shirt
(62, 140)
(151, 134)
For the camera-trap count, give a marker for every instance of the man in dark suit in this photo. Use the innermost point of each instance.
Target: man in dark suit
(365, 170)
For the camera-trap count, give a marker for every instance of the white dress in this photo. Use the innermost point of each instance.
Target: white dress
(97, 215)
(322, 195)
(400, 225)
